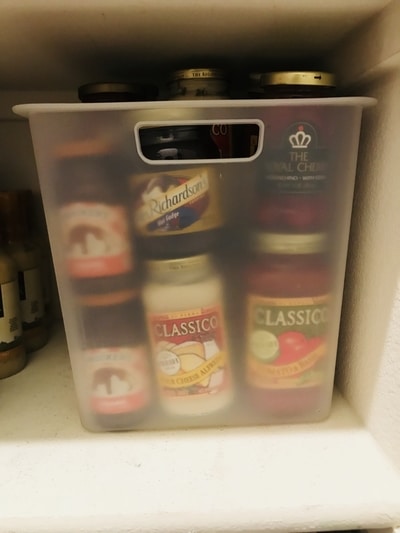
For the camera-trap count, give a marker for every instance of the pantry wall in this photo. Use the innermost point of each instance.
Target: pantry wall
(51, 53)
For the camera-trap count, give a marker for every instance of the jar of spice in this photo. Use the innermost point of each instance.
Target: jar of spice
(91, 191)
(12, 351)
(27, 257)
(293, 193)
(288, 285)
(116, 362)
(186, 324)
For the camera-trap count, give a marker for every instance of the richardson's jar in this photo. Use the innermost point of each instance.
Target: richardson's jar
(288, 284)
(179, 211)
(91, 192)
(186, 324)
(115, 360)
(294, 189)
(204, 84)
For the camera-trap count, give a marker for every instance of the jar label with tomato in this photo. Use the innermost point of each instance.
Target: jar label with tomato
(10, 322)
(119, 379)
(96, 238)
(299, 165)
(190, 354)
(176, 202)
(286, 341)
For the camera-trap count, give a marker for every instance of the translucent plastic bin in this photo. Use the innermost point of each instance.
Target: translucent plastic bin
(199, 291)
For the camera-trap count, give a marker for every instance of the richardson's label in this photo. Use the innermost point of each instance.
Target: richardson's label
(177, 202)
(286, 344)
(119, 379)
(10, 321)
(300, 165)
(97, 240)
(190, 351)
(31, 295)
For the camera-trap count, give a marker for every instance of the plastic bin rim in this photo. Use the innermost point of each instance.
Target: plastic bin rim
(27, 110)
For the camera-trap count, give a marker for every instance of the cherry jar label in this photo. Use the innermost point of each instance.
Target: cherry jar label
(286, 341)
(300, 165)
(119, 379)
(190, 351)
(181, 201)
(97, 240)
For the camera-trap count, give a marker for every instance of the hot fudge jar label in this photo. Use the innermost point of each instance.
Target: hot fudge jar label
(119, 378)
(190, 351)
(176, 202)
(286, 344)
(299, 165)
(96, 238)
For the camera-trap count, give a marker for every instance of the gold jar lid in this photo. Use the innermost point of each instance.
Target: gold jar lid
(198, 74)
(183, 264)
(313, 78)
(288, 244)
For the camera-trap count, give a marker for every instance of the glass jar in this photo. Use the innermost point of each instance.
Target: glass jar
(288, 284)
(27, 258)
(186, 324)
(115, 355)
(12, 351)
(177, 212)
(293, 192)
(205, 84)
(91, 191)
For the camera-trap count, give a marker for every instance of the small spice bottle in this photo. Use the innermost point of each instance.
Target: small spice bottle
(288, 285)
(177, 212)
(294, 188)
(204, 84)
(12, 351)
(186, 324)
(116, 361)
(27, 257)
(90, 189)
(111, 91)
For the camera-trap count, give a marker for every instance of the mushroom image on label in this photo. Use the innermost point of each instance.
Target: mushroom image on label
(187, 331)
(116, 366)
(90, 191)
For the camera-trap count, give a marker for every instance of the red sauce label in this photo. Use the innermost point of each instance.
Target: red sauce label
(119, 379)
(96, 238)
(190, 351)
(286, 344)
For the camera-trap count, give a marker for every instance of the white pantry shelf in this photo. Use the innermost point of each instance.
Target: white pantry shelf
(56, 477)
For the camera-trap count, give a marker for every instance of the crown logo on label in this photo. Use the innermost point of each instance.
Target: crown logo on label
(300, 139)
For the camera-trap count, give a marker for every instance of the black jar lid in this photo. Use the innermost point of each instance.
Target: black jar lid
(117, 92)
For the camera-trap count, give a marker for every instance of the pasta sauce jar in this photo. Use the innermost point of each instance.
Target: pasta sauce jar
(288, 286)
(115, 360)
(90, 189)
(186, 325)
(294, 189)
